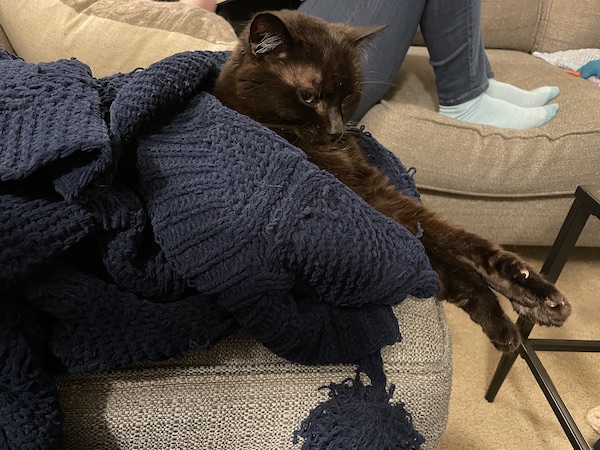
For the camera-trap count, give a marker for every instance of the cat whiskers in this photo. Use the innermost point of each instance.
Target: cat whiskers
(345, 148)
(290, 132)
(359, 85)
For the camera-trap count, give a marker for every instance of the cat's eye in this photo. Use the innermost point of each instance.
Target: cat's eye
(308, 97)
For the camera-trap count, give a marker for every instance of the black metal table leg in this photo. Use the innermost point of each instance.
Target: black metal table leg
(553, 265)
(506, 362)
(558, 406)
(587, 201)
(566, 239)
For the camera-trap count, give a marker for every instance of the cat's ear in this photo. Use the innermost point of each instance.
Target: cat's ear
(357, 35)
(268, 34)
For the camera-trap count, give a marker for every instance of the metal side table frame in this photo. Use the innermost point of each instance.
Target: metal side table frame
(586, 203)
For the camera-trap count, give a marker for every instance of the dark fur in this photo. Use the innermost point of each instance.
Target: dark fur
(301, 77)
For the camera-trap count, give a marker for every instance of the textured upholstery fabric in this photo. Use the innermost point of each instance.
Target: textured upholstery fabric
(544, 25)
(240, 396)
(516, 221)
(510, 24)
(110, 36)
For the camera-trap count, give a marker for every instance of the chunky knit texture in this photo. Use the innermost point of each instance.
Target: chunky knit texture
(220, 224)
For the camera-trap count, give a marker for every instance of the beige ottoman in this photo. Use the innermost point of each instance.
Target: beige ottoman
(241, 396)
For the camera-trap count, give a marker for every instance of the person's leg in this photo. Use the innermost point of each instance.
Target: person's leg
(452, 32)
(387, 49)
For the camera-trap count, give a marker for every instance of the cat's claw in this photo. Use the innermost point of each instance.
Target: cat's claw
(553, 304)
(525, 273)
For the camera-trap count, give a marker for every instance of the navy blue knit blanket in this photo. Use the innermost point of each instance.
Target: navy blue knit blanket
(140, 218)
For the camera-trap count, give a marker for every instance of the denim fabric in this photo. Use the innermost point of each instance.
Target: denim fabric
(452, 33)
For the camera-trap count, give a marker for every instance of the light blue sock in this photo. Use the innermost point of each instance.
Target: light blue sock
(520, 97)
(486, 110)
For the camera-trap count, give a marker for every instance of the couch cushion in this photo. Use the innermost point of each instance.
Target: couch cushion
(467, 159)
(517, 221)
(568, 25)
(110, 36)
(241, 396)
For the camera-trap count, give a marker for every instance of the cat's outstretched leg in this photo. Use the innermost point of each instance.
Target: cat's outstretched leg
(468, 265)
(530, 294)
(461, 285)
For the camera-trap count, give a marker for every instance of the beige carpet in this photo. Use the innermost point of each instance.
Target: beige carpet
(520, 417)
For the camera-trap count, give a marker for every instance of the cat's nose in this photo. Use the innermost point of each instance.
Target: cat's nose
(336, 123)
(337, 129)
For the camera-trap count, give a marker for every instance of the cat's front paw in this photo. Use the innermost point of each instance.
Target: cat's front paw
(540, 301)
(505, 336)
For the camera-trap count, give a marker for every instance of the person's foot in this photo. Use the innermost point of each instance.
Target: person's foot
(520, 97)
(487, 110)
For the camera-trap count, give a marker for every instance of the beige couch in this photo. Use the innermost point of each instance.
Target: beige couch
(512, 186)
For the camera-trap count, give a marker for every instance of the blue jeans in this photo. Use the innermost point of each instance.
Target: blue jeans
(452, 33)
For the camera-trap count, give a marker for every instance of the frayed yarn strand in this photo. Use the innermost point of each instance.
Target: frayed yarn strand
(358, 416)
(420, 231)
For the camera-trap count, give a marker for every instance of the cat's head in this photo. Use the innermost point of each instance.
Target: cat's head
(296, 74)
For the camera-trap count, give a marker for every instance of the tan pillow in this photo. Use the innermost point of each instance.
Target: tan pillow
(110, 35)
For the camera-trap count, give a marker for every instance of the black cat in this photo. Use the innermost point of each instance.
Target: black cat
(301, 77)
